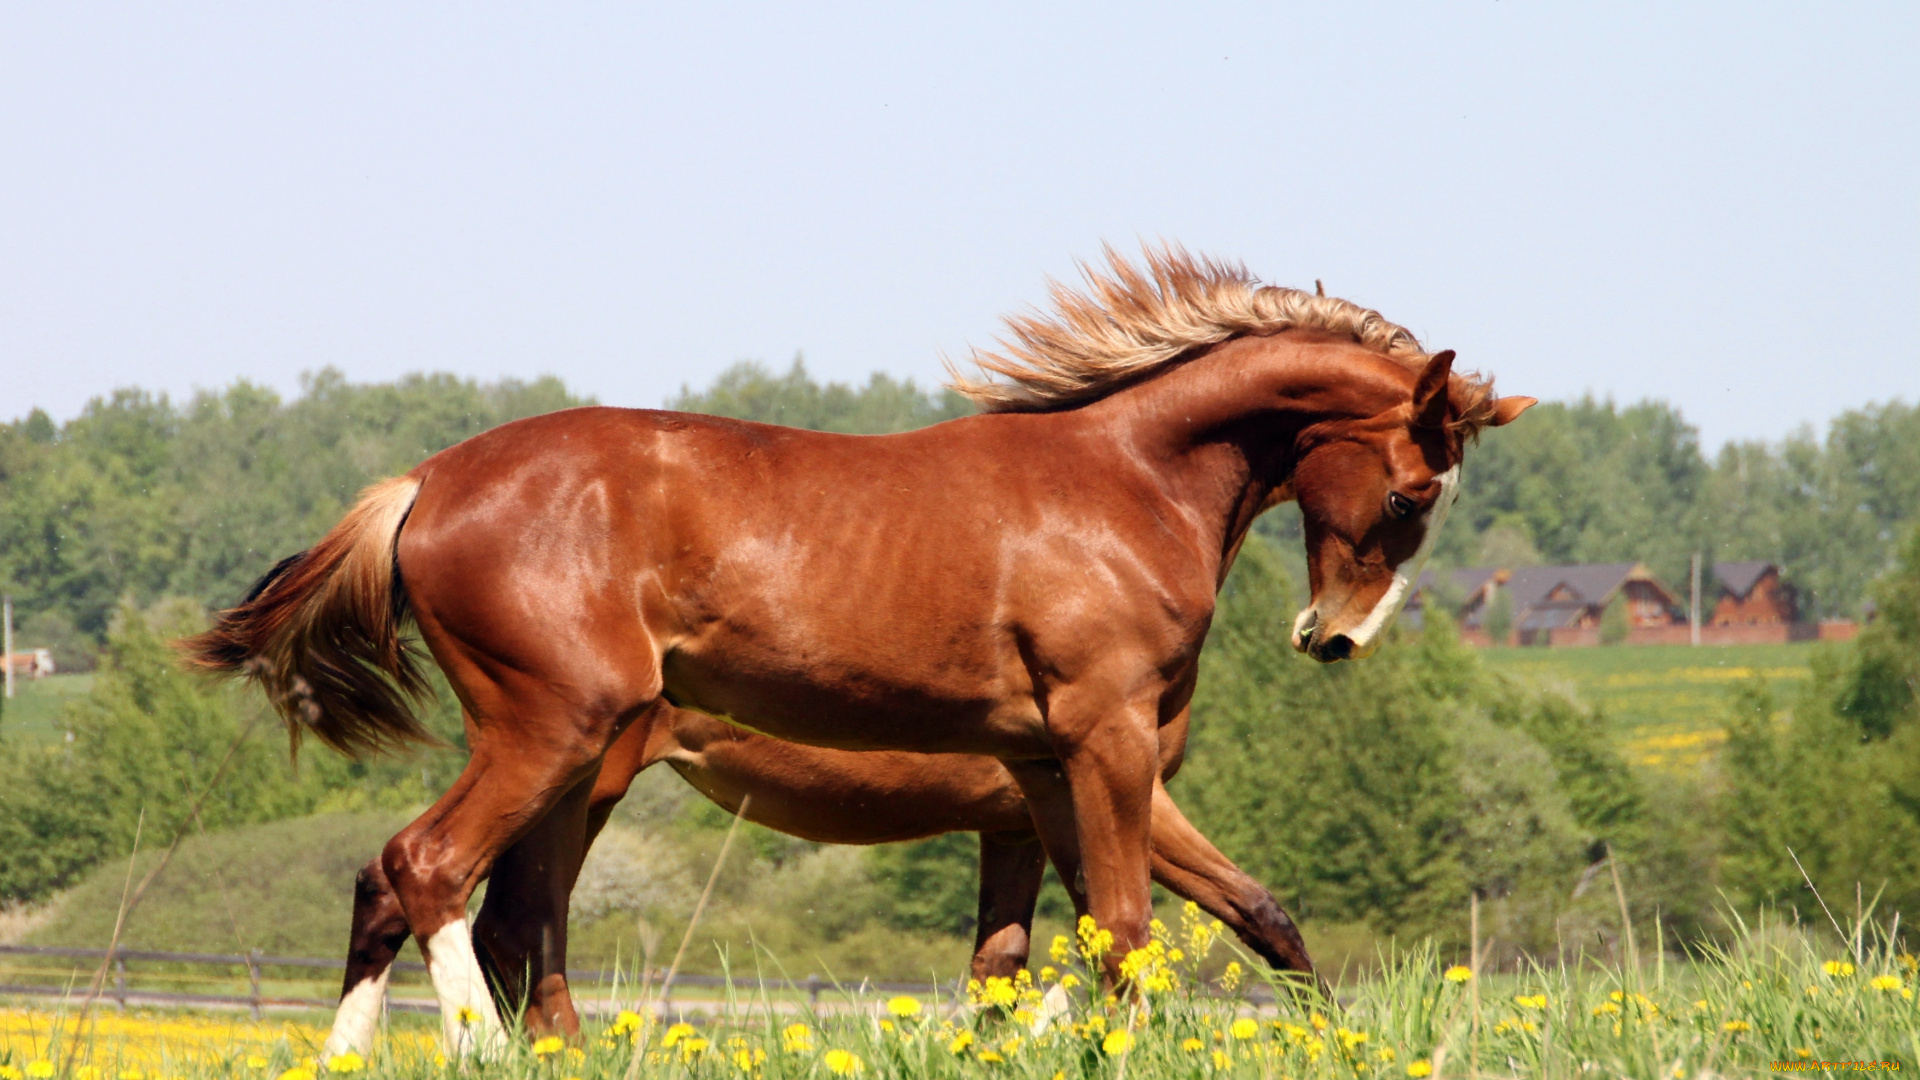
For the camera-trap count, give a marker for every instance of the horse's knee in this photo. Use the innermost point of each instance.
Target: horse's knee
(377, 915)
(425, 887)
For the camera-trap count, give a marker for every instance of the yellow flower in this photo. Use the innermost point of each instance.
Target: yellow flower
(136, 1074)
(1069, 981)
(1049, 973)
(627, 1021)
(87, 1072)
(1803, 1052)
(8, 1072)
(254, 1061)
(1222, 1059)
(1605, 1007)
(1351, 1039)
(989, 1056)
(40, 1070)
(1061, 949)
(298, 1072)
(1244, 1028)
(549, 1045)
(1736, 1026)
(1531, 1001)
(1319, 1022)
(1422, 1067)
(675, 1034)
(1117, 1042)
(1837, 968)
(348, 1062)
(1230, 978)
(1385, 1054)
(749, 1060)
(1885, 982)
(466, 1015)
(842, 1062)
(1095, 943)
(796, 1039)
(1458, 973)
(1192, 1045)
(960, 1043)
(904, 1006)
(692, 1048)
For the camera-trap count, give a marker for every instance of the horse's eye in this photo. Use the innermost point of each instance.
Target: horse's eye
(1399, 505)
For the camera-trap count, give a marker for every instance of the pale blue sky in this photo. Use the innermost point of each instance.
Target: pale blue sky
(1716, 205)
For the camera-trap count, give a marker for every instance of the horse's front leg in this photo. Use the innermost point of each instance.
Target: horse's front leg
(1188, 864)
(1108, 771)
(1012, 868)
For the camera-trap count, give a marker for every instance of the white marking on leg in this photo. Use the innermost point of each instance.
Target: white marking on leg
(358, 1019)
(1366, 637)
(467, 1016)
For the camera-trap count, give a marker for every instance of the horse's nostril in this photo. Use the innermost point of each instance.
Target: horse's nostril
(1338, 647)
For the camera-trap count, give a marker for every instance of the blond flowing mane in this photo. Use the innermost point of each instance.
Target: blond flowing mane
(1131, 323)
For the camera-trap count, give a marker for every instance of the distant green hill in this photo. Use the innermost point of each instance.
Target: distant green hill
(1665, 704)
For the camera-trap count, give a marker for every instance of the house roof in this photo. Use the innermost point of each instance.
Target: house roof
(1552, 615)
(1592, 583)
(1739, 578)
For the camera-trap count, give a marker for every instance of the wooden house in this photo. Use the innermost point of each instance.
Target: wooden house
(1752, 594)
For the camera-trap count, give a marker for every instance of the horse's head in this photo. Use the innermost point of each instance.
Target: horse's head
(1373, 493)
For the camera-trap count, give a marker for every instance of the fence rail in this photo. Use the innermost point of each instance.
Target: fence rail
(120, 993)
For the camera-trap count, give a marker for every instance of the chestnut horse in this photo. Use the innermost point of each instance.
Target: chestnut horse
(831, 796)
(1032, 583)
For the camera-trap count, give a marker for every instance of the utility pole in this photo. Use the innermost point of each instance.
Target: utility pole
(6, 644)
(1693, 606)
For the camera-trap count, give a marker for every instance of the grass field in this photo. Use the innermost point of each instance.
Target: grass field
(1780, 999)
(1665, 703)
(33, 716)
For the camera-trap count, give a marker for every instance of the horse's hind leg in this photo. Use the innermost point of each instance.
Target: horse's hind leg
(1012, 867)
(508, 786)
(379, 930)
(522, 925)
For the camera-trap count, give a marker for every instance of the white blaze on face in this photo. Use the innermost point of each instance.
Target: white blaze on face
(1366, 637)
(358, 1018)
(467, 1015)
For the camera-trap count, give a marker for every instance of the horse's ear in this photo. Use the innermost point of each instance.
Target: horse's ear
(1508, 409)
(1430, 392)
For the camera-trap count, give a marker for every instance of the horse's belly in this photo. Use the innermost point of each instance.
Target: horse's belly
(829, 701)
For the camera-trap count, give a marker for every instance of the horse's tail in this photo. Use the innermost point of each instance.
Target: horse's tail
(322, 632)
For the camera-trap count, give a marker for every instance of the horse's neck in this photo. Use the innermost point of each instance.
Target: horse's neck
(1220, 431)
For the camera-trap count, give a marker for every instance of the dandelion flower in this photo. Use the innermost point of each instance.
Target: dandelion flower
(692, 1048)
(796, 1039)
(254, 1061)
(1319, 1022)
(1531, 1001)
(1736, 1026)
(1458, 973)
(1192, 1045)
(1839, 969)
(990, 1056)
(1222, 1059)
(1117, 1042)
(298, 1072)
(8, 1072)
(39, 1070)
(1885, 982)
(1422, 1067)
(675, 1034)
(904, 1006)
(842, 1062)
(348, 1062)
(960, 1043)
(549, 1045)
(1244, 1028)
(627, 1021)
(747, 1060)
